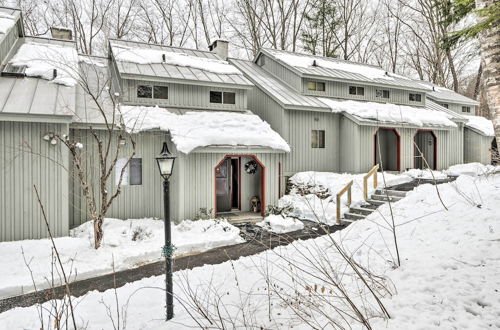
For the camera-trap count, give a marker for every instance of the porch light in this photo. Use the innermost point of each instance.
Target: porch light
(165, 162)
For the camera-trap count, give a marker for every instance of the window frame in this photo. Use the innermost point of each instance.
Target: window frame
(154, 92)
(466, 109)
(224, 94)
(313, 86)
(318, 139)
(417, 97)
(213, 93)
(383, 93)
(150, 87)
(358, 90)
(132, 180)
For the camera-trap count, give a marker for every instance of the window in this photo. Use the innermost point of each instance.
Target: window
(220, 97)
(160, 92)
(445, 105)
(229, 98)
(132, 175)
(317, 138)
(465, 109)
(356, 90)
(383, 93)
(262, 60)
(144, 92)
(215, 97)
(316, 86)
(135, 175)
(415, 97)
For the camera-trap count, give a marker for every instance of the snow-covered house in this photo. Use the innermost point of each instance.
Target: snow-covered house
(194, 101)
(334, 114)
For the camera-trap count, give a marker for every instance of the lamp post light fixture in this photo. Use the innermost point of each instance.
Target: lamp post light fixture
(166, 162)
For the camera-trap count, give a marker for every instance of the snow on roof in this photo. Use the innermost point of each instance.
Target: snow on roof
(444, 94)
(41, 59)
(195, 129)
(6, 22)
(391, 113)
(148, 56)
(483, 125)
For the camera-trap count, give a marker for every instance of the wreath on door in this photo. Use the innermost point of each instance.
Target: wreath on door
(251, 167)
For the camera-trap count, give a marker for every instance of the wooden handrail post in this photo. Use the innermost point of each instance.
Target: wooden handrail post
(347, 188)
(373, 172)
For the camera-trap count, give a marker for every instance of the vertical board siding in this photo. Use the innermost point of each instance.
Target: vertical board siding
(282, 72)
(266, 108)
(341, 90)
(26, 159)
(457, 108)
(7, 41)
(358, 147)
(302, 156)
(477, 147)
(181, 95)
(134, 201)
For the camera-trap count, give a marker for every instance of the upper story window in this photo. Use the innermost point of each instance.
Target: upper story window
(356, 90)
(262, 60)
(316, 86)
(155, 92)
(383, 93)
(222, 97)
(317, 138)
(445, 105)
(465, 109)
(415, 97)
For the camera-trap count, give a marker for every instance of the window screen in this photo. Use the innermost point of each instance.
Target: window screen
(144, 91)
(229, 98)
(135, 173)
(215, 97)
(160, 92)
(317, 139)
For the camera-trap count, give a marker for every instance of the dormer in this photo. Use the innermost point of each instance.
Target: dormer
(149, 74)
(11, 29)
(451, 100)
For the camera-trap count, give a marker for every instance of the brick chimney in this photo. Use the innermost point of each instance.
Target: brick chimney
(220, 47)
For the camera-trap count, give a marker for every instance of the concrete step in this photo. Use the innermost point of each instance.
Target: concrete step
(376, 203)
(369, 206)
(353, 216)
(390, 192)
(361, 210)
(385, 198)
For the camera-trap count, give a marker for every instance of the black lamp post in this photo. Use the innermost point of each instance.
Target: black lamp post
(165, 162)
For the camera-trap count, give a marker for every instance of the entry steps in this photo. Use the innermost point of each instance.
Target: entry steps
(380, 197)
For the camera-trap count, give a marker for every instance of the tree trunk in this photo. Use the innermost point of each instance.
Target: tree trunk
(490, 54)
(98, 233)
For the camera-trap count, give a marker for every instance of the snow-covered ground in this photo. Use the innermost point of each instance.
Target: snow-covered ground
(128, 242)
(448, 276)
(280, 224)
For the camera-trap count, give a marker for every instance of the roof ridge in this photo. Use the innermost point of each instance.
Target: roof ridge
(166, 46)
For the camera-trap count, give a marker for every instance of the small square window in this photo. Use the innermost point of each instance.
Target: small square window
(415, 97)
(382, 93)
(316, 86)
(160, 92)
(360, 90)
(311, 85)
(445, 105)
(229, 98)
(317, 139)
(352, 90)
(144, 91)
(135, 171)
(262, 60)
(320, 86)
(215, 97)
(465, 109)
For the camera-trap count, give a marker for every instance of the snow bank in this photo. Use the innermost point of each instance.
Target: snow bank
(448, 278)
(280, 225)
(130, 242)
(472, 169)
(204, 128)
(6, 22)
(391, 113)
(306, 61)
(483, 125)
(41, 59)
(149, 56)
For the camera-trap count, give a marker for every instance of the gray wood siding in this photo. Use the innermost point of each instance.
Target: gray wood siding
(180, 95)
(304, 158)
(477, 147)
(7, 41)
(457, 108)
(358, 147)
(135, 201)
(341, 90)
(281, 72)
(266, 108)
(26, 159)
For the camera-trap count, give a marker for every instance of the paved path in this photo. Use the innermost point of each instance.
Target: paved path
(257, 241)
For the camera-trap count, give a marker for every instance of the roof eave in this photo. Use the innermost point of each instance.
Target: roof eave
(183, 81)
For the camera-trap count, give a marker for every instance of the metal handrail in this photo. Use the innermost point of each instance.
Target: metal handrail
(373, 172)
(339, 195)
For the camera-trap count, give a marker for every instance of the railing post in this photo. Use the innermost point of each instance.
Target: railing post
(373, 172)
(338, 209)
(347, 188)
